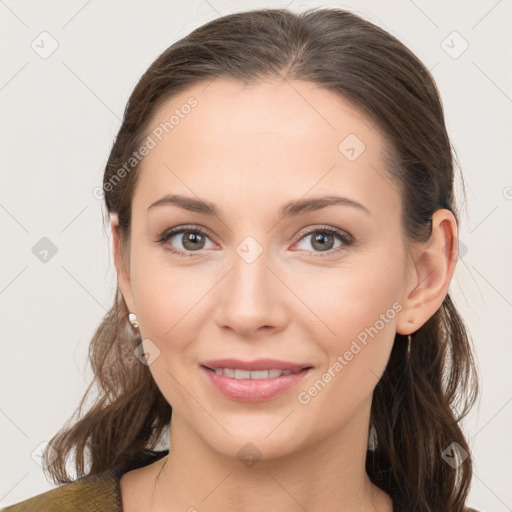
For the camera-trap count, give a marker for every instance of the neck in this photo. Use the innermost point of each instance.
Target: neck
(326, 476)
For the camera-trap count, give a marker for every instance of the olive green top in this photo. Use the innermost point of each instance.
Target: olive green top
(101, 492)
(91, 493)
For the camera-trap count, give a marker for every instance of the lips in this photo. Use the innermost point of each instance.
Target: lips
(253, 389)
(253, 381)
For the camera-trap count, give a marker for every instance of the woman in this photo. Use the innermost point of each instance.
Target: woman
(307, 347)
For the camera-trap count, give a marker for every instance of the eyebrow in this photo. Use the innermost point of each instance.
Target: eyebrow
(290, 209)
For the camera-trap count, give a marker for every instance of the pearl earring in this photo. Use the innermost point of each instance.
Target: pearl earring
(133, 320)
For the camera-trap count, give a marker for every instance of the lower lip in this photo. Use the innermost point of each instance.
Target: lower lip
(253, 390)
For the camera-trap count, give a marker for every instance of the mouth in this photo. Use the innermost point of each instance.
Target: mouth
(240, 374)
(253, 381)
(256, 369)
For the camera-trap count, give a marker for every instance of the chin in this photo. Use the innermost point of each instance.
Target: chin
(252, 445)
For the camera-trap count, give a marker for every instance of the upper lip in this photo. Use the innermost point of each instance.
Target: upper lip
(257, 364)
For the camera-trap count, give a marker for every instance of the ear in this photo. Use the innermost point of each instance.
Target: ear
(431, 269)
(120, 262)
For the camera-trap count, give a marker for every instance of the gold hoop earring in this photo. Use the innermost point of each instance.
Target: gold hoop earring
(133, 320)
(409, 338)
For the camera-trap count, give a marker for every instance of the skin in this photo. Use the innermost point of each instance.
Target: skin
(249, 150)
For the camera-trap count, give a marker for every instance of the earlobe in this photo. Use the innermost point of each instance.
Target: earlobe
(434, 263)
(123, 273)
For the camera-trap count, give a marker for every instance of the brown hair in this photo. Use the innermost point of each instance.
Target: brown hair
(417, 404)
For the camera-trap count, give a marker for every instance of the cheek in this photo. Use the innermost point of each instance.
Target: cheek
(354, 300)
(363, 320)
(170, 300)
(358, 312)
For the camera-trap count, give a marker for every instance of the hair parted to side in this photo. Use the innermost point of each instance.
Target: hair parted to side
(417, 406)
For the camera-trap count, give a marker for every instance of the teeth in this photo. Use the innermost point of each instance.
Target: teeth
(242, 374)
(257, 374)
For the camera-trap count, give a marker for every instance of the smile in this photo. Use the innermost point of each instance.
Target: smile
(236, 373)
(253, 385)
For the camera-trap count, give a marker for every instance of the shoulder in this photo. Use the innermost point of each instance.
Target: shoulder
(94, 493)
(91, 493)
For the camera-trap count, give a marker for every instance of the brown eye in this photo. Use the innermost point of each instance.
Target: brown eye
(192, 240)
(187, 241)
(323, 240)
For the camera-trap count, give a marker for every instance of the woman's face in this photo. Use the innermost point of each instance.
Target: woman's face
(266, 280)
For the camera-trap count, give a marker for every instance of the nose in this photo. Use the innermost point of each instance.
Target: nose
(251, 298)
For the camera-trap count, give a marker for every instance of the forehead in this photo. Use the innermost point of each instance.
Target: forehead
(246, 144)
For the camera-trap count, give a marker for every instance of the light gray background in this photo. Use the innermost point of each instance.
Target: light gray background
(59, 118)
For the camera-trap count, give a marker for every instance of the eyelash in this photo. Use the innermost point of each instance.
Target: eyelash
(344, 237)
